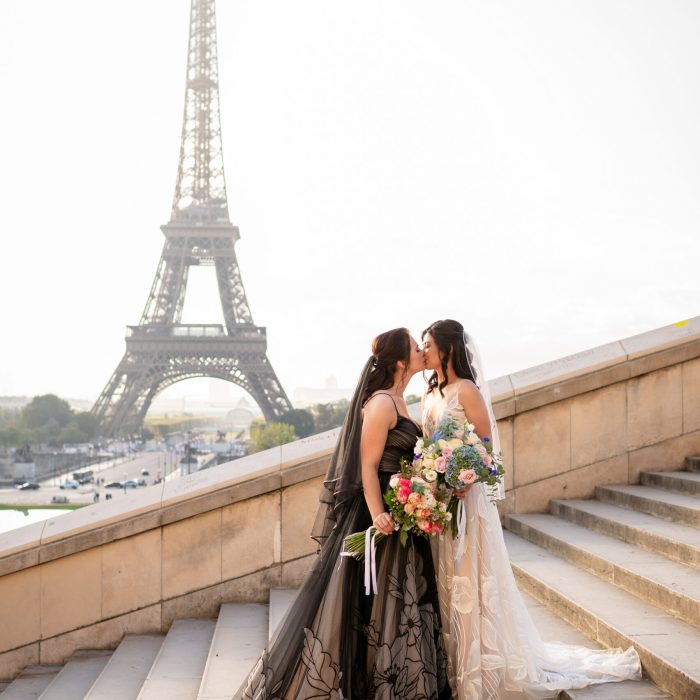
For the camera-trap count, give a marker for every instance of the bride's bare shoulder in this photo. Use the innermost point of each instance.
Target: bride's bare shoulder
(468, 391)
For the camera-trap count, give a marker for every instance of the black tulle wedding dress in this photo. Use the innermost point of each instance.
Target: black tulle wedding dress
(336, 641)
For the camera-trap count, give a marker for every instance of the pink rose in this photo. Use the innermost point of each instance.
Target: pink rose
(440, 464)
(402, 496)
(438, 527)
(446, 452)
(425, 525)
(405, 483)
(468, 476)
(424, 513)
(488, 460)
(409, 508)
(415, 498)
(481, 450)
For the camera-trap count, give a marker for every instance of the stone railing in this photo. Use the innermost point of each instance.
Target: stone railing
(230, 533)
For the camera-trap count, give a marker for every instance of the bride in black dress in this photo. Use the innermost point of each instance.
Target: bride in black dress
(337, 642)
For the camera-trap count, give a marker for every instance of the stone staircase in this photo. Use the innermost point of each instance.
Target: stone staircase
(618, 570)
(623, 569)
(205, 659)
(199, 659)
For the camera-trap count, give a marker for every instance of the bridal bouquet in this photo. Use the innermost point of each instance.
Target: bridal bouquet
(418, 503)
(460, 458)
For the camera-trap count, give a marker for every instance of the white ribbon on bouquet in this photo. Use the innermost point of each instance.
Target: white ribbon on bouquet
(461, 531)
(370, 561)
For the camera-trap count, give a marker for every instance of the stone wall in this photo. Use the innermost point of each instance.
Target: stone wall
(600, 417)
(134, 564)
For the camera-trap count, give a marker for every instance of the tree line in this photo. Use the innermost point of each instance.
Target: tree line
(46, 420)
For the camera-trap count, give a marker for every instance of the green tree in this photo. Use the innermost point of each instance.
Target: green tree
(12, 436)
(302, 421)
(329, 415)
(42, 410)
(263, 436)
(71, 433)
(88, 423)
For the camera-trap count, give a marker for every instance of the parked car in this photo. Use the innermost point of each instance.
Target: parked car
(59, 499)
(28, 485)
(142, 482)
(114, 485)
(69, 485)
(130, 484)
(145, 472)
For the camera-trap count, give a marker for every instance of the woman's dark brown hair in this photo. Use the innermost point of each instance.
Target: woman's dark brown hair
(388, 349)
(448, 337)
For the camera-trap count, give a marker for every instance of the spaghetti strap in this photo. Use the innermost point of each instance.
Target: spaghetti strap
(376, 393)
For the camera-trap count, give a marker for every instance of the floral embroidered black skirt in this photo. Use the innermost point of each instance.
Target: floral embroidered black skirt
(337, 642)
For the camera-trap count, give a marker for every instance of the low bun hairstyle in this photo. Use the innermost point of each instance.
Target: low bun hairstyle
(388, 349)
(448, 336)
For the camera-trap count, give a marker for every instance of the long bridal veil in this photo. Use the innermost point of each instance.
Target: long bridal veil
(494, 649)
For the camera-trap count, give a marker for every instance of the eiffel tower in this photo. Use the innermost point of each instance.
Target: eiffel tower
(161, 350)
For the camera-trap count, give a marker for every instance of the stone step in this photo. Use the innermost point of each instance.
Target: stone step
(31, 683)
(553, 629)
(127, 668)
(177, 671)
(672, 540)
(281, 600)
(626, 690)
(683, 482)
(667, 646)
(692, 464)
(667, 584)
(664, 504)
(77, 675)
(239, 639)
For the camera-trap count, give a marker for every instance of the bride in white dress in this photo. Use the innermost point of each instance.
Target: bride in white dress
(494, 649)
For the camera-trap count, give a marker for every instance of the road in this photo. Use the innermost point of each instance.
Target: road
(120, 469)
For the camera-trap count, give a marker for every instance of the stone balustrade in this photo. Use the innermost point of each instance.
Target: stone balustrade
(181, 548)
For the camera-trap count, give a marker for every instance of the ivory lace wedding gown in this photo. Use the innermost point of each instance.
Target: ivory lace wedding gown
(494, 649)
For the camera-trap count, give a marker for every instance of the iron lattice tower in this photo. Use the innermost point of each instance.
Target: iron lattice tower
(161, 350)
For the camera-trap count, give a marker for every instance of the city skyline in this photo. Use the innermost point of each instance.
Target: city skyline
(528, 170)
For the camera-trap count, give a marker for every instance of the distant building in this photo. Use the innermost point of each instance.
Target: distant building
(240, 417)
(306, 396)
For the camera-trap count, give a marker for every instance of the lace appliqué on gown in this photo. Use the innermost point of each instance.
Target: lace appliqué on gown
(493, 648)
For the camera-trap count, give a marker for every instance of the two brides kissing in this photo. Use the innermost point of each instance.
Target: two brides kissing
(440, 615)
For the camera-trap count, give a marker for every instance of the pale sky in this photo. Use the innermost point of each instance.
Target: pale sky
(531, 169)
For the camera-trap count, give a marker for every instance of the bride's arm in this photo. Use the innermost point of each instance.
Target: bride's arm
(379, 417)
(474, 406)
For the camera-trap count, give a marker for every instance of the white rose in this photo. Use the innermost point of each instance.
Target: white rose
(430, 474)
(470, 427)
(473, 439)
(394, 482)
(442, 443)
(448, 517)
(455, 442)
(419, 446)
